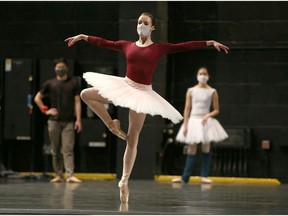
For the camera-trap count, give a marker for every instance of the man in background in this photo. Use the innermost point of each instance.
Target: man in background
(64, 118)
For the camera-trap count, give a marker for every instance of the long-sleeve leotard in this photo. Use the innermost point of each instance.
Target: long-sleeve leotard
(142, 61)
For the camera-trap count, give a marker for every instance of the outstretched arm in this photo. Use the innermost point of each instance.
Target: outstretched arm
(98, 41)
(218, 46)
(72, 40)
(189, 45)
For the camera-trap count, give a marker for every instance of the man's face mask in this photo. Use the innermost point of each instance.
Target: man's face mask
(61, 72)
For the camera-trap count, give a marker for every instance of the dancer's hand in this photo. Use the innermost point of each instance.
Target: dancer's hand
(72, 40)
(218, 46)
(205, 119)
(185, 131)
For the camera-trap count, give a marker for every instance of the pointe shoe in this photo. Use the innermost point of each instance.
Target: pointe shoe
(114, 127)
(205, 180)
(124, 192)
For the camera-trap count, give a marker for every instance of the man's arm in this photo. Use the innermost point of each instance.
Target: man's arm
(78, 124)
(38, 100)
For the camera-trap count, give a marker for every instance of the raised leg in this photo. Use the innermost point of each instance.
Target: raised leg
(96, 103)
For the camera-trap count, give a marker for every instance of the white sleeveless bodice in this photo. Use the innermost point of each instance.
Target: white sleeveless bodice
(201, 100)
(197, 132)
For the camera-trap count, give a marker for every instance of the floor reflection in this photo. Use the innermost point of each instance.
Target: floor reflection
(124, 207)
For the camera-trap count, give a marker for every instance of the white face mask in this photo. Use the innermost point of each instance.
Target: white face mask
(143, 30)
(202, 79)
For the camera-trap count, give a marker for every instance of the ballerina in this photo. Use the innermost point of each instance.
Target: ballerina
(134, 91)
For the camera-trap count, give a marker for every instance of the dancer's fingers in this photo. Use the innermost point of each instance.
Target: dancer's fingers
(68, 39)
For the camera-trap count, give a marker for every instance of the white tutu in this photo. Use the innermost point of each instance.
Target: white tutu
(212, 131)
(126, 93)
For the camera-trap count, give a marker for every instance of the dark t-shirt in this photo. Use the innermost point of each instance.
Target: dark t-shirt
(62, 97)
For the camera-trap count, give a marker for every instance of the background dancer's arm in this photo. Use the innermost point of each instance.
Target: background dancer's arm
(187, 111)
(216, 110)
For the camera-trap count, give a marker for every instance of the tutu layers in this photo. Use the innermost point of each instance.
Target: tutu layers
(124, 92)
(197, 133)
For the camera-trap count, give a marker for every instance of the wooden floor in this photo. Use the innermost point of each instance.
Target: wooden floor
(100, 197)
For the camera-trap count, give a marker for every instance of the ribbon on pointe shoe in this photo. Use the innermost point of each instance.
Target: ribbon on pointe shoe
(114, 127)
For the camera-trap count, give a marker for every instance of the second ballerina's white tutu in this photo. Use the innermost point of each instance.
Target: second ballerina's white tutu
(212, 131)
(124, 92)
(197, 133)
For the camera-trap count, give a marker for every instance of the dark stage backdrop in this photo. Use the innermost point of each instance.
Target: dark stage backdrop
(251, 81)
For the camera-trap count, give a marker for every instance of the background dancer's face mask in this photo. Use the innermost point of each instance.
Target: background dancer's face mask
(203, 79)
(143, 30)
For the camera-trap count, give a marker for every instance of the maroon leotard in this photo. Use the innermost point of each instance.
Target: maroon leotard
(142, 61)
